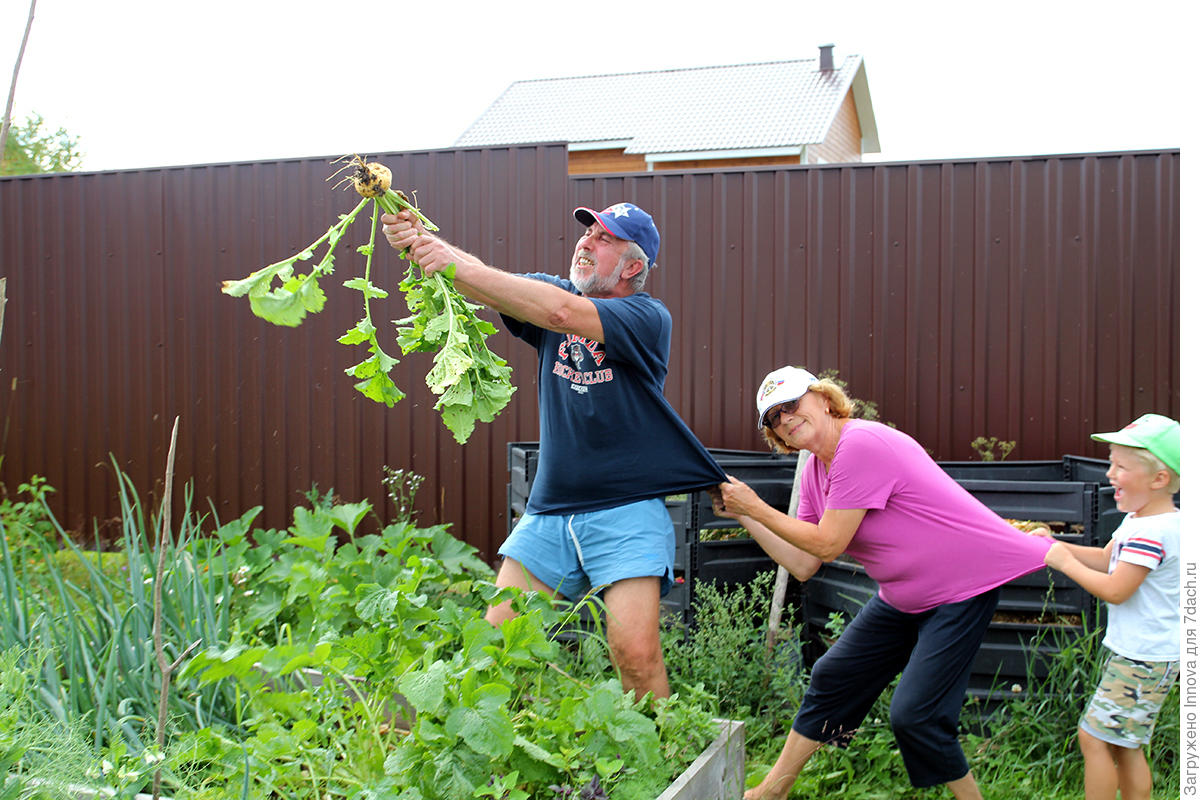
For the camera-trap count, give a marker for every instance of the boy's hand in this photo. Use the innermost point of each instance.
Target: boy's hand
(1040, 530)
(1057, 556)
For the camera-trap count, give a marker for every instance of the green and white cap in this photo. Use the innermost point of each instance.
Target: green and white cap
(1153, 432)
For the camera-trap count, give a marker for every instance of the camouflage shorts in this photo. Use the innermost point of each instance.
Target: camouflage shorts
(1126, 703)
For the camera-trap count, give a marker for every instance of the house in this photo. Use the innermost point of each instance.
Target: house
(805, 111)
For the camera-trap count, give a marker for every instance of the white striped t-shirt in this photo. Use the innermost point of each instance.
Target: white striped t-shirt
(1146, 626)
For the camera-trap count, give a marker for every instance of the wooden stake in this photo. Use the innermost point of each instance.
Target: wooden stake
(160, 654)
(781, 574)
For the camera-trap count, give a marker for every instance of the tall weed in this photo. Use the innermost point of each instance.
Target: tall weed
(724, 652)
(1025, 747)
(36, 748)
(1039, 730)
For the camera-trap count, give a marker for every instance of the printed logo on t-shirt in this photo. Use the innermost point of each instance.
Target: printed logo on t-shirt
(579, 362)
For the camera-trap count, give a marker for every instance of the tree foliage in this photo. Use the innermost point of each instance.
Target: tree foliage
(31, 148)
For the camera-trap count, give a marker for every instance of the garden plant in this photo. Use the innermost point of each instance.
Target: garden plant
(347, 657)
(470, 381)
(1018, 749)
(333, 662)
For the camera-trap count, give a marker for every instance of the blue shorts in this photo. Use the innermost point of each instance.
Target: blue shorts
(575, 553)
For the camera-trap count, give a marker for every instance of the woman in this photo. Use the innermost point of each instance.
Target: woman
(938, 555)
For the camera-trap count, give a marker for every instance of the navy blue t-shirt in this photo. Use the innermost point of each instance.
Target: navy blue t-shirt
(608, 435)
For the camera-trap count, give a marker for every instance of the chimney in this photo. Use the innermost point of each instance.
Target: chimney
(826, 57)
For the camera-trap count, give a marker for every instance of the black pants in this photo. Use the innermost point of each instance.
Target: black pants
(934, 651)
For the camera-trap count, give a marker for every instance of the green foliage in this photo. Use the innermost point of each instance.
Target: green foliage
(37, 749)
(1039, 730)
(372, 372)
(401, 486)
(94, 616)
(342, 665)
(320, 579)
(987, 447)
(470, 381)
(724, 654)
(862, 409)
(32, 149)
(1021, 748)
(26, 523)
(297, 295)
(333, 664)
(1040, 727)
(400, 614)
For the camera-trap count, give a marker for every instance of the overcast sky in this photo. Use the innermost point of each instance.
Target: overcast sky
(145, 83)
(159, 82)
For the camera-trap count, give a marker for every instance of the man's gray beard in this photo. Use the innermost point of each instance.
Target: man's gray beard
(594, 284)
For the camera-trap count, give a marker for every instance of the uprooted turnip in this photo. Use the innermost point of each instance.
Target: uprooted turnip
(371, 179)
(471, 382)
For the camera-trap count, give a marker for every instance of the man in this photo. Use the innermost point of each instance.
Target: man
(611, 447)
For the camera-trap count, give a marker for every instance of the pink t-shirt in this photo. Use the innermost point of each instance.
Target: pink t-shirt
(925, 540)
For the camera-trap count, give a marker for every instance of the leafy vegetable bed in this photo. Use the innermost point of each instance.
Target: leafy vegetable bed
(510, 712)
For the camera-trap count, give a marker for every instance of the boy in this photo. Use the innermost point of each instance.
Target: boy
(1137, 574)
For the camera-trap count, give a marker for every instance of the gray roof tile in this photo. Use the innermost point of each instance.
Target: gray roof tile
(743, 106)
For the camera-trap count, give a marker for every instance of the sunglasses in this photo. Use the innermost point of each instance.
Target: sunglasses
(774, 414)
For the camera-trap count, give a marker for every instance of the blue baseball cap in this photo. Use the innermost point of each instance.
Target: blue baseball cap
(625, 221)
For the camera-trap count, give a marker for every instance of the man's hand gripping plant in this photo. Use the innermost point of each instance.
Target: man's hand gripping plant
(471, 382)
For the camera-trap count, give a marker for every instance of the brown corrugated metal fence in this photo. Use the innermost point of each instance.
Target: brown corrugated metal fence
(1032, 299)
(967, 298)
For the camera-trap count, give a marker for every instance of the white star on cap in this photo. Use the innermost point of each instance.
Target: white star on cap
(620, 210)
